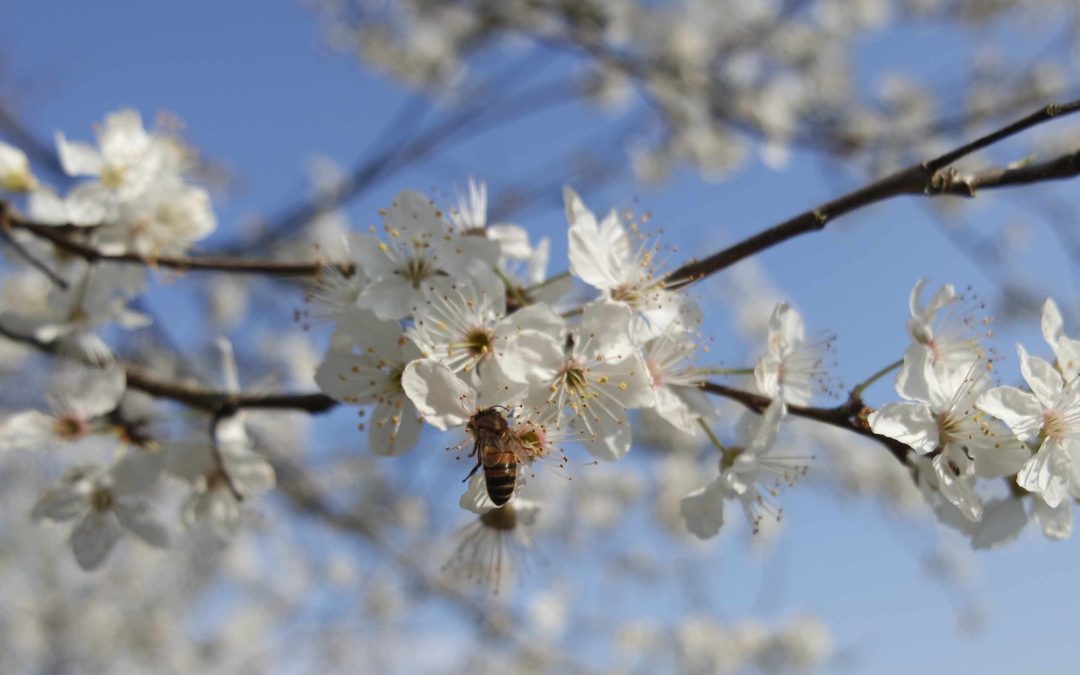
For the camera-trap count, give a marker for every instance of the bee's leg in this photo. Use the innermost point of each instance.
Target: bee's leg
(474, 469)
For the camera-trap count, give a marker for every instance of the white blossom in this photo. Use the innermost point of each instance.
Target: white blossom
(125, 161)
(791, 368)
(220, 478)
(79, 398)
(15, 175)
(1047, 417)
(946, 326)
(1066, 349)
(364, 366)
(463, 323)
(223, 470)
(106, 503)
(419, 247)
(597, 380)
(940, 418)
(446, 401)
(603, 255)
(675, 382)
(750, 472)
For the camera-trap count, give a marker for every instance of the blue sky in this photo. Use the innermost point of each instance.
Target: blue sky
(261, 95)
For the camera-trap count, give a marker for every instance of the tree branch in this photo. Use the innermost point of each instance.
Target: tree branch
(60, 237)
(216, 401)
(850, 416)
(924, 178)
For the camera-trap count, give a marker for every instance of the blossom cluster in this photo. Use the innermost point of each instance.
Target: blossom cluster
(962, 428)
(442, 316)
(449, 315)
(133, 196)
(727, 76)
(136, 195)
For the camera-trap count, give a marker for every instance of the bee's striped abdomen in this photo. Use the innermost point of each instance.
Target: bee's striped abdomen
(500, 474)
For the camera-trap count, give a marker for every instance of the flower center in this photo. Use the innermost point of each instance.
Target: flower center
(503, 519)
(533, 438)
(1054, 425)
(948, 428)
(417, 269)
(627, 293)
(71, 427)
(478, 341)
(112, 177)
(656, 373)
(575, 378)
(101, 499)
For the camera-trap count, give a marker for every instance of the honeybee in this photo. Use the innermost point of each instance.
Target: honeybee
(498, 450)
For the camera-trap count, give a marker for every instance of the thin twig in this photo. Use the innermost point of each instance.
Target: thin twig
(219, 460)
(192, 395)
(857, 392)
(60, 236)
(24, 253)
(850, 416)
(924, 178)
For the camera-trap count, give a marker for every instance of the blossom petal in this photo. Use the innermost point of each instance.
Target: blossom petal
(390, 297)
(1047, 473)
(137, 471)
(45, 206)
(1018, 409)
(909, 422)
(87, 392)
(250, 472)
(78, 158)
(371, 255)
(591, 260)
(604, 331)
(475, 498)
(395, 427)
(959, 490)
(64, 502)
(703, 510)
(414, 213)
(606, 432)
(88, 205)
(1068, 358)
(997, 451)
(93, 538)
(137, 517)
(29, 430)
(529, 355)
(189, 458)
(442, 398)
(1045, 382)
(786, 328)
(1053, 327)
(766, 428)
(1002, 522)
(1056, 522)
(216, 510)
(626, 382)
(912, 382)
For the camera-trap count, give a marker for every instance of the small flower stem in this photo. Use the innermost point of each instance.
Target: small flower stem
(712, 437)
(577, 311)
(865, 384)
(547, 282)
(512, 288)
(726, 371)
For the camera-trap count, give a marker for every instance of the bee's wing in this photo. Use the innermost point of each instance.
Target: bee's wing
(514, 445)
(491, 447)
